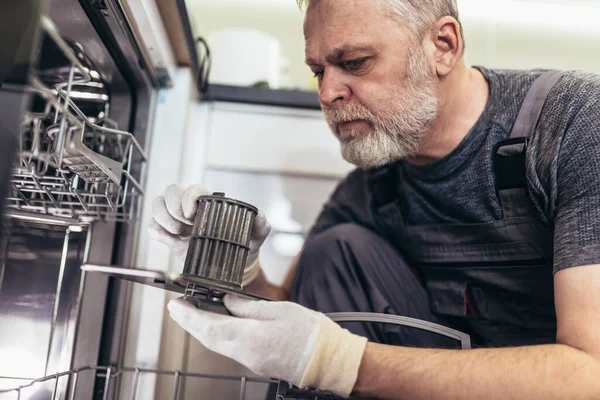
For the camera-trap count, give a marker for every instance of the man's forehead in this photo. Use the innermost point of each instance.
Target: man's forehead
(331, 12)
(341, 25)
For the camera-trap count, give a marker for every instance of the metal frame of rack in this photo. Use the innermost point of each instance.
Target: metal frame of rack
(284, 392)
(70, 164)
(113, 374)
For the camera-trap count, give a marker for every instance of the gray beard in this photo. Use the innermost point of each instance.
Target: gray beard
(399, 131)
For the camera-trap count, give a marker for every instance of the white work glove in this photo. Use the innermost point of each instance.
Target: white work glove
(173, 217)
(279, 340)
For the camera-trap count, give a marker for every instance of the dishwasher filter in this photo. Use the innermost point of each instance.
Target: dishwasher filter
(218, 250)
(219, 243)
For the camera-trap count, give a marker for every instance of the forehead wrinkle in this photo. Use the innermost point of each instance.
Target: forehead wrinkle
(339, 53)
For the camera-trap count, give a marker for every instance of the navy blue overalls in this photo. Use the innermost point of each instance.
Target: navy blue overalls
(491, 280)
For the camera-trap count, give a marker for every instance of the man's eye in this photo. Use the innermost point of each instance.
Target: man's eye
(319, 74)
(354, 65)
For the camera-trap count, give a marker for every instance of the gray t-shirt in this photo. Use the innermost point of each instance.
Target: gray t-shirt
(563, 170)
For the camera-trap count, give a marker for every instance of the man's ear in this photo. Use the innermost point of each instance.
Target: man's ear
(447, 44)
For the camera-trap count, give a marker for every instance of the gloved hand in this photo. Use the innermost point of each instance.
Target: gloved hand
(278, 339)
(173, 218)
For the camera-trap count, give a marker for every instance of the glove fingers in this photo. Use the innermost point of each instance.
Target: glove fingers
(157, 232)
(260, 231)
(221, 333)
(176, 243)
(193, 319)
(200, 320)
(267, 310)
(259, 310)
(173, 200)
(188, 202)
(229, 343)
(164, 218)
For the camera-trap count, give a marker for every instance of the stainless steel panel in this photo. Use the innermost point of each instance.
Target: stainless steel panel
(39, 298)
(93, 317)
(18, 23)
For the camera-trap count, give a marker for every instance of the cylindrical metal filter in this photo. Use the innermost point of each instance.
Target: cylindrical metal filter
(220, 239)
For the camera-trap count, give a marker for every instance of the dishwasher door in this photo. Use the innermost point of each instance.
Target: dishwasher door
(79, 111)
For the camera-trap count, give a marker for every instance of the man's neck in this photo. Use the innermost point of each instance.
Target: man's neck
(463, 97)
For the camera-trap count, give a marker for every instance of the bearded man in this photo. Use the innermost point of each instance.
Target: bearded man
(475, 205)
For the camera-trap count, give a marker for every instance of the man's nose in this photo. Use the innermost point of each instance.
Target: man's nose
(333, 89)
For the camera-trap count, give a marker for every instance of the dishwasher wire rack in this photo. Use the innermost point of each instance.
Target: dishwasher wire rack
(71, 164)
(112, 374)
(285, 391)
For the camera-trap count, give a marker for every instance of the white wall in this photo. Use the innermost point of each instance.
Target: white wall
(524, 34)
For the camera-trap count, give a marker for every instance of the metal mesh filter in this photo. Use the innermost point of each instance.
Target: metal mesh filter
(220, 239)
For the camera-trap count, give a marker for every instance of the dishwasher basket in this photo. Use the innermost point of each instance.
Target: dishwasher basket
(112, 375)
(72, 161)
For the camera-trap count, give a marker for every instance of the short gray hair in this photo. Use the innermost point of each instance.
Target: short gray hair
(417, 15)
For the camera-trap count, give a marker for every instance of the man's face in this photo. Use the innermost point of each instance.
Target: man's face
(376, 87)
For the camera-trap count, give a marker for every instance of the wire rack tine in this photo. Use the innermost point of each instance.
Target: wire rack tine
(55, 390)
(243, 388)
(128, 178)
(136, 380)
(62, 122)
(21, 195)
(107, 383)
(34, 140)
(175, 385)
(74, 385)
(108, 199)
(52, 199)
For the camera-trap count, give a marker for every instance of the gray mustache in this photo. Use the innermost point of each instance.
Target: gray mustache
(341, 115)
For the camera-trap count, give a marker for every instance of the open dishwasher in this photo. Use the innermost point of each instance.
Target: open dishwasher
(75, 109)
(73, 199)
